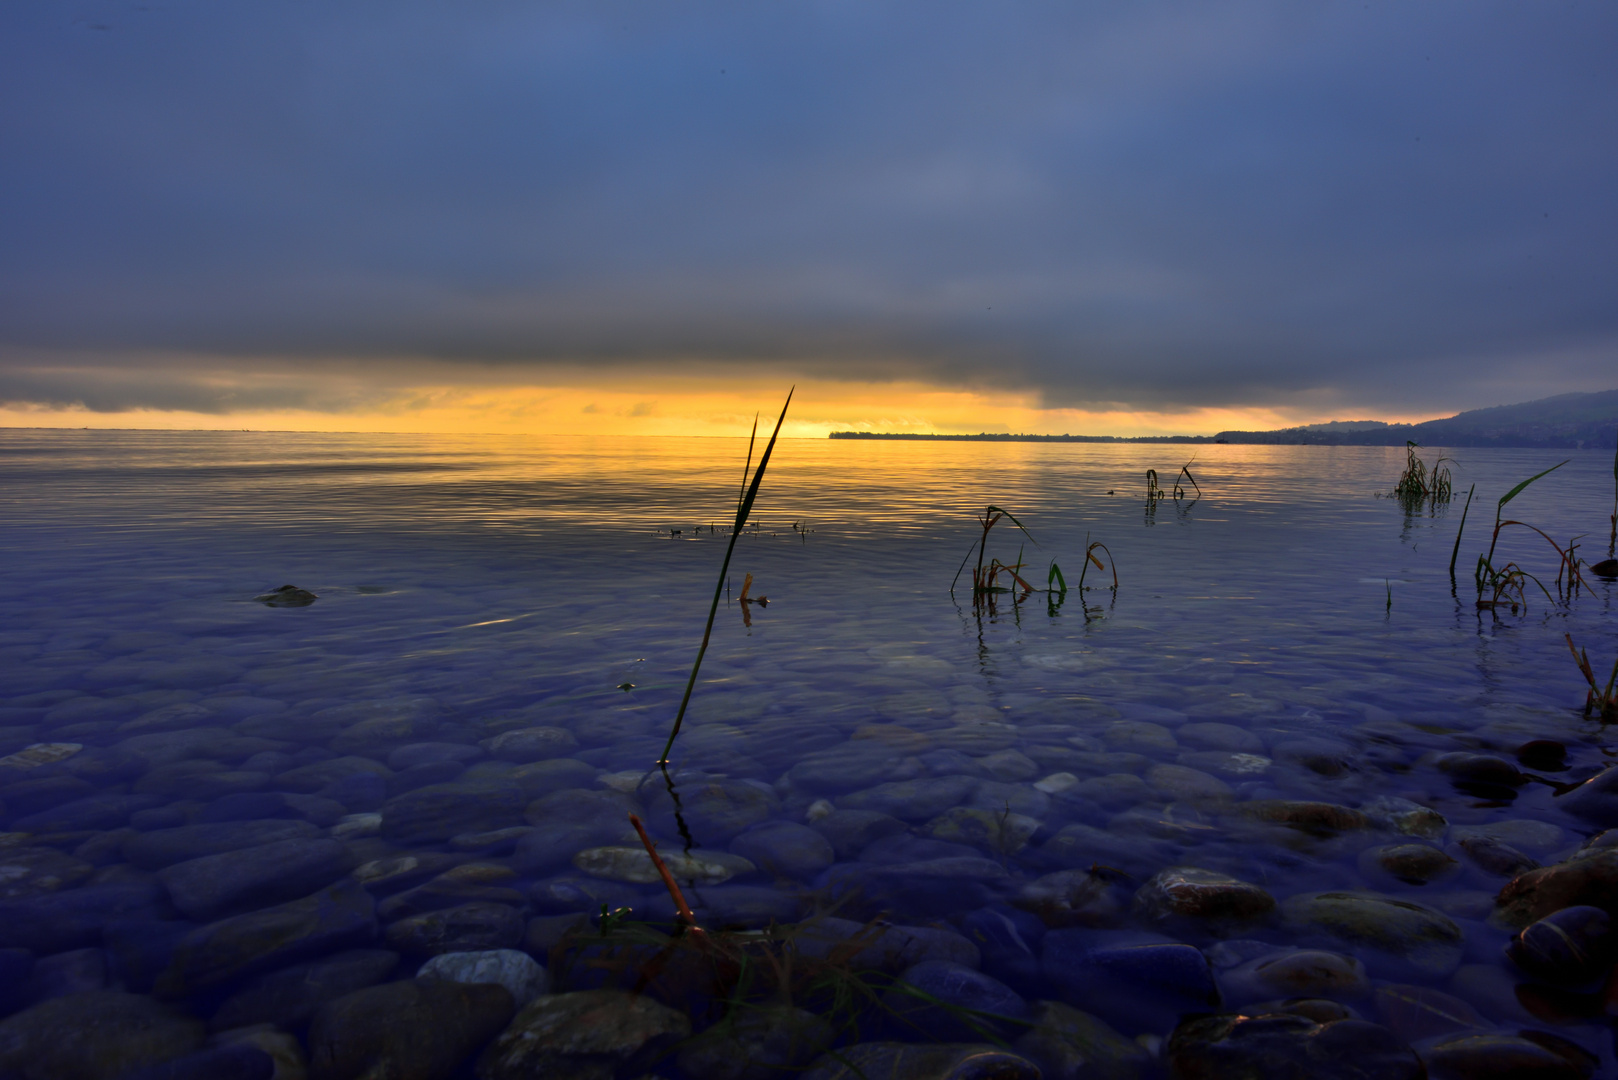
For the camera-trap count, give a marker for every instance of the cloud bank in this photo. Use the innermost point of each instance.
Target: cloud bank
(223, 208)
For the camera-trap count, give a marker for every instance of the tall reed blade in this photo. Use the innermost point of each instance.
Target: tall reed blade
(745, 508)
(741, 492)
(1486, 563)
(1612, 537)
(1456, 550)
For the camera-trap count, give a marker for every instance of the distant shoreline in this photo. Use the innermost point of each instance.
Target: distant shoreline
(990, 437)
(1563, 422)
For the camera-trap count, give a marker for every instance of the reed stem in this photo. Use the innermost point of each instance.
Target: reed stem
(1456, 550)
(742, 510)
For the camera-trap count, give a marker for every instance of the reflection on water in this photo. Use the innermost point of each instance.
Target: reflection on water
(1283, 695)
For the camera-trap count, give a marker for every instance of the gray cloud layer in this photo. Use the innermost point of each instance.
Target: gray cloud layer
(1393, 206)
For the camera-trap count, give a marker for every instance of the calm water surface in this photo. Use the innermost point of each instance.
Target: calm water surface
(1286, 636)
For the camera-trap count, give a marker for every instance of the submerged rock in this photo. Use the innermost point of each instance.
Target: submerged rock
(635, 865)
(1094, 897)
(1139, 986)
(785, 849)
(289, 997)
(880, 946)
(1069, 1044)
(75, 918)
(76, 971)
(105, 1033)
(757, 1044)
(238, 1061)
(1407, 936)
(35, 871)
(287, 596)
(714, 810)
(531, 744)
(1001, 833)
(1405, 816)
(1285, 1045)
(1320, 818)
(269, 938)
(414, 1030)
(518, 972)
(434, 813)
(467, 928)
(987, 1000)
(233, 881)
(1568, 947)
(1415, 1013)
(1492, 1055)
(1480, 769)
(1412, 864)
(1591, 880)
(587, 1034)
(1297, 973)
(852, 831)
(1494, 856)
(907, 1061)
(32, 757)
(1216, 902)
(913, 800)
(924, 888)
(1595, 800)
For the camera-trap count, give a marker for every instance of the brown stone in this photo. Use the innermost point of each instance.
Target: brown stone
(1311, 817)
(1185, 892)
(1536, 894)
(405, 1030)
(586, 1035)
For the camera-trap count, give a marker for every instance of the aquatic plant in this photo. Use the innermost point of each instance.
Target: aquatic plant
(1185, 471)
(1155, 490)
(1509, 580)
(1419, 485)
(1091, 559)
(1612, 536)
(747, 601)
(985, 579)
(744, 506)
(1600, 700)
(1456, 550)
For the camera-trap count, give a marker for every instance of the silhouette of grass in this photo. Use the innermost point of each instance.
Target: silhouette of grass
(744, 506)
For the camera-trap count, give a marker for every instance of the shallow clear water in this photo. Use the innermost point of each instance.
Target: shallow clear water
(522, 581)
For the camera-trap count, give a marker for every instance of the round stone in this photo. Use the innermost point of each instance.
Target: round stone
(1400, 935)
(1216, 900)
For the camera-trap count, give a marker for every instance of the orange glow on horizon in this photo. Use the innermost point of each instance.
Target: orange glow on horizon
(691, 409)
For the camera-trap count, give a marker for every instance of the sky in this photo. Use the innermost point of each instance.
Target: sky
(652, 218)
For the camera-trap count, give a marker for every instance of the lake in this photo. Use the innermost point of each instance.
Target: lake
(1230, 781)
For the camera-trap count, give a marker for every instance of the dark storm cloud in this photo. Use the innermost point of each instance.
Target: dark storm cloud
(1391, 205)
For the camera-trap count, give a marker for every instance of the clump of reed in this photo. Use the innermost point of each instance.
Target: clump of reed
(994, 578)
(1420, 486)
(1507, 584)
(986, 580)
(1608, 567)
(1601, 700)
(744, 507)
(1155, 490)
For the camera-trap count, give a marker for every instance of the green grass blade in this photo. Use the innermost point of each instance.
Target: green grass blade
(1013, 519)
(713, 609)
(1514, 492)
(741, 492)
(1456, 550)
(1055, 575)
